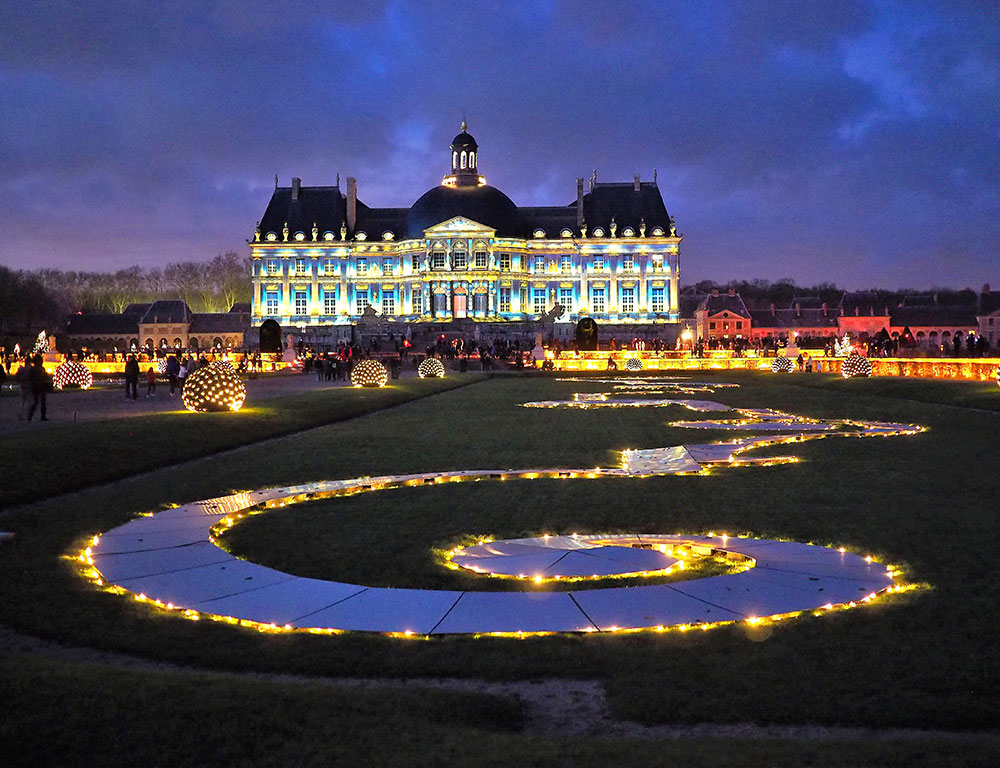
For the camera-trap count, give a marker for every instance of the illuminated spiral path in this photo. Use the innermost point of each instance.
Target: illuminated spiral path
(170, 559)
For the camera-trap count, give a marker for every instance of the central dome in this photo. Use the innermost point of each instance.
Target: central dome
(484, 205)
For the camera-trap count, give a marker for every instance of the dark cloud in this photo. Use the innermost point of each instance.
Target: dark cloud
(848, 141)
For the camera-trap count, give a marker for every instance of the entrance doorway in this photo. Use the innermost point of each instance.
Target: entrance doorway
(460, 305)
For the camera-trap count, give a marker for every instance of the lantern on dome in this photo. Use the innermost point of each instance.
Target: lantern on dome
(213, 388)
(856, 366)
(72, 374)
(782, 365)
(431, 368)
(369, 373)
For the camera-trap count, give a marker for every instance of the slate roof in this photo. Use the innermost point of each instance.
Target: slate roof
(325, 206)
(138, 309)
(923, 316)
(725, 303)
(102, 324)
(793, 319)
(219, 322)
(241, 306)
(167, 312)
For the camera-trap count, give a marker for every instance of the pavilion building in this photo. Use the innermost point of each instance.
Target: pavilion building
(465, 251)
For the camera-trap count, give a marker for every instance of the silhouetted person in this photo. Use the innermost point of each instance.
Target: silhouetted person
(39, 387)
(132, 378)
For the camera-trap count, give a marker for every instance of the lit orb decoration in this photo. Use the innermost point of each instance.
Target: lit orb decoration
(431, 368)
(225, 365)
(782, 365)
(213, 388)
(856, 366)
(72, 374)
(369, 373)
(633, 364)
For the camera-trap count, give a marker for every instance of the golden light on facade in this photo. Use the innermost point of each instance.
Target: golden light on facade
(369, 373)
(431, 368)
(72, 374)
(213, 388)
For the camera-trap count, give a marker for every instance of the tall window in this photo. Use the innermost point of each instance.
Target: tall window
(360, 301)
(628, 262)
(480, 259)
(415, 263)
(657, 263)
(301, 303)
(505, 262)
(417, 300)
(271, 304)
(597, 300)
(388, 303)
(329, 302)
(504, 299)
(566, 264)
(628, 299)
(656, 302)
(272, 267)
(598, 263)
(437, 260)
(387, 266)
(362, 266)
(459, 260)
(538, 301)
(328, 266)
(566, 298)
(539, 264)
(300, 266)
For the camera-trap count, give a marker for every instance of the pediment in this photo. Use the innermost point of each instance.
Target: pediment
(459, 224)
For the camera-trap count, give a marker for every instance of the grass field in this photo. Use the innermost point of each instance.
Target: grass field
(921, 659)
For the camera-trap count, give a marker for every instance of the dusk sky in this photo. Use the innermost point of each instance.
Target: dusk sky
(850, 142)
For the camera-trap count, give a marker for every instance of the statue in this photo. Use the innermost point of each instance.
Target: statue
(256, 233)
(583, 229)
(343, 231)
(613, 227)
(673, 227)
(284, 232)
(315, 232)
(586, 334)
(642, 227)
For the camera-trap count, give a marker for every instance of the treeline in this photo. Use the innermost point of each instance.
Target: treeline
(46, 296)
(760, 294)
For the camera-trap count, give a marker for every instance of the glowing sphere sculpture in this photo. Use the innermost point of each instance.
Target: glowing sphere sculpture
(213, 388)
(782, 365)
(225, 365)
(633, 364)
(431, 368)
(856, 366)
(72, 374)
(369, 373)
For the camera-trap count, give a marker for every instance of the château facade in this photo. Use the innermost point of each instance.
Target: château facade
(320, 256)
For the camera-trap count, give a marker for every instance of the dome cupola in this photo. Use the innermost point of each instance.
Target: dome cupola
(464, 161)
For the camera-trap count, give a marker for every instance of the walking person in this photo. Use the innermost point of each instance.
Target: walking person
(173, 368)
(23, 379)
(132, 378)
(40, 383)
(151, 382)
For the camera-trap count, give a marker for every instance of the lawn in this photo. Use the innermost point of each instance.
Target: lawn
(920, 659)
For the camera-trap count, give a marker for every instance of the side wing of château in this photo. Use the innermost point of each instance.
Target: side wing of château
(320, 256)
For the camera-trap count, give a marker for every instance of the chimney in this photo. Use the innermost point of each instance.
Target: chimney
(824, 309)
(715, 291)
(773, 310)
(352, 203)
(635, 183)
(986, 287)
(798, 309)
(296, 186)
(732, 291)
(579, 202)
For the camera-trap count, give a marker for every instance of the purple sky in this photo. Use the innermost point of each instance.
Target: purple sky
(851, 142)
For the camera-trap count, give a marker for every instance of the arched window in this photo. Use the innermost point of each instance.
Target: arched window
(163, 343)
(177, 343)
(463, 158)
(454, 160)
(216, 342)
(472, 159)
(193, 342)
